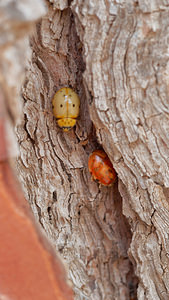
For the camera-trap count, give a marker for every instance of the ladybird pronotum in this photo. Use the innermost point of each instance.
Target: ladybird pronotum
(101, 168)
(66, 104)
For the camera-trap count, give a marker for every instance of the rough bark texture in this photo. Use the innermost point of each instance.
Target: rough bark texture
(29, 268)
(115, 55)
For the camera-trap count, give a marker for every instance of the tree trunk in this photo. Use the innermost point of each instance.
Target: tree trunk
(114, 54)
(29, 268)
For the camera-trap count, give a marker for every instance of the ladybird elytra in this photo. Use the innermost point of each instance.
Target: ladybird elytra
(66, 104)
(101, 168)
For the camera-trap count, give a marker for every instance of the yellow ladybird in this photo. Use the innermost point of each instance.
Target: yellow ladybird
(66, 105)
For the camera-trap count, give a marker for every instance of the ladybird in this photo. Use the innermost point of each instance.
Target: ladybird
(66, 104)
(101, 168)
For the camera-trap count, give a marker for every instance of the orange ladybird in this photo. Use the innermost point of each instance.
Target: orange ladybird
(101, 168)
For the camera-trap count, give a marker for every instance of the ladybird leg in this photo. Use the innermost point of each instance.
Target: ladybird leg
(92, 178)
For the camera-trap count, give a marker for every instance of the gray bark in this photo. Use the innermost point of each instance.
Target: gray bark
(114, 54)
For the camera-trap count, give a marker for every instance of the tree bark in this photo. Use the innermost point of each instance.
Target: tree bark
(114, 54)
(29, 268)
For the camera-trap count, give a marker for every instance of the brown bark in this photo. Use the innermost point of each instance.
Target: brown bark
(114, 54)
(83, 219)
(29, 268)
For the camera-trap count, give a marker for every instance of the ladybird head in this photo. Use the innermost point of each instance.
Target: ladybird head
(66, 123)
